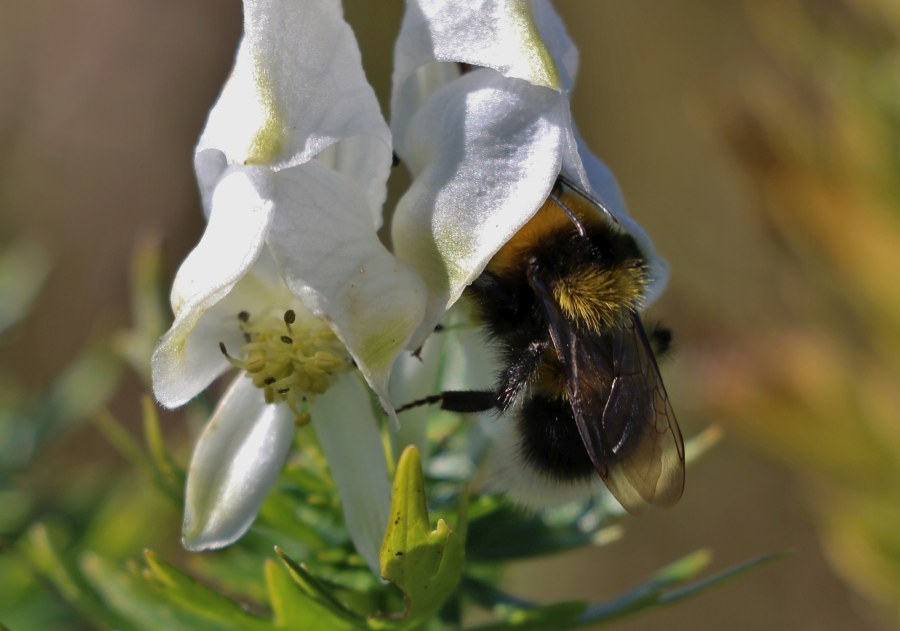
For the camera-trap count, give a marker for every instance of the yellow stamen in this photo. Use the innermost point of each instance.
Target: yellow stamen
(292, 367)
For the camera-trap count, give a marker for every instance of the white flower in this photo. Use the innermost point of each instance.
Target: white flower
(486, 146)
(289, 277)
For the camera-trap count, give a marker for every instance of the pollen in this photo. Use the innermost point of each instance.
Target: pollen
(290, 355)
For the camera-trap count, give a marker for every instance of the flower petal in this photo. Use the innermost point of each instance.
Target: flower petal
(297, 87)
(517, 39)
(236, 460)
(347, 430)
(183, 363)
(324, 241)
(498, 34)
(485, 151)
(241, 209)
(454, 196)
(554, 36)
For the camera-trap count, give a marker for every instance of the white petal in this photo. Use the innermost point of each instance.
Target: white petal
(241, 209)
(298, 87)
(556, 39)
(185, 360)
(485, 151)
(324, 241)
(498, 34)
(236, 460)
(509, 36)
(347, 430)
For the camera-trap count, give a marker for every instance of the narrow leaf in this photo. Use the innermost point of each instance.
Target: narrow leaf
(186, 593)
(119, 437)
(47, 562)
(166, 470)
(654, 593)
(691, 590)
(322, 609)
(136, 601)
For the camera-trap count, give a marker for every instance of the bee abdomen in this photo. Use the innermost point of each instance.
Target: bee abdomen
(549, 439)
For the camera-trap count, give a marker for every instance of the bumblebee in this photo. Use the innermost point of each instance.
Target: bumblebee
(579, 387)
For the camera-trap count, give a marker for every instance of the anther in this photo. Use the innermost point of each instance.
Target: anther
(291, 362)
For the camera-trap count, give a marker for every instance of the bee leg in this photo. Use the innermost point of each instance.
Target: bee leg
(519, 371)
(462, 401)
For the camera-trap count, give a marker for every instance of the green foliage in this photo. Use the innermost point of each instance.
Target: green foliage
(426, 564)
(332, 588)
(76, 556)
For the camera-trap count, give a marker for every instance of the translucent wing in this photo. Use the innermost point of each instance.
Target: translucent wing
(620, 406)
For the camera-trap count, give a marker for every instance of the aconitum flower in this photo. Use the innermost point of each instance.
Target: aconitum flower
(481, 117)
(289, 282)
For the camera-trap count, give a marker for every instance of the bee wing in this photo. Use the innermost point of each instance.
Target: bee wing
(645, 449)
(620, 406)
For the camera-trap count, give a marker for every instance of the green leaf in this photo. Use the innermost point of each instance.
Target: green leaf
(648, 594)
(656, 593)
(145, 609)
(47, 562)
(314, 607)
(425, 564)
(149, 310)
(154, 459)
(169, 476)
(290, 608)
(128, 516)
(191, 596)
(522, 615)
(122, 440)
(716, 580)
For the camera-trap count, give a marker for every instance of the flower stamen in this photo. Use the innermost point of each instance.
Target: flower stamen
(289, 368)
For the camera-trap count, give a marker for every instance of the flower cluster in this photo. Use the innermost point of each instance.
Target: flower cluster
(290, 283)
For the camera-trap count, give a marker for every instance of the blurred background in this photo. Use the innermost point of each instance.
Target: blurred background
(757, 142)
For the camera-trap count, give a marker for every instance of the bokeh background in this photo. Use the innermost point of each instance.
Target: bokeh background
(758, 143)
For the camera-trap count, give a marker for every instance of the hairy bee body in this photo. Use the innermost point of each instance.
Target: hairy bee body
(580, 386)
